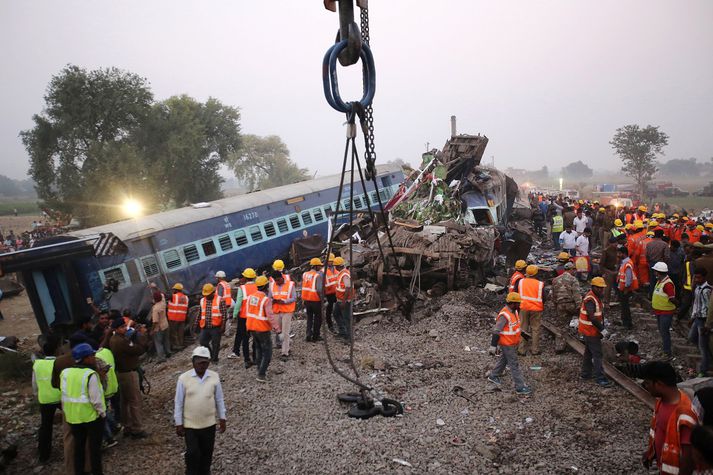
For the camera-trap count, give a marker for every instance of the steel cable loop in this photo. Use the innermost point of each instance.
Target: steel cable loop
(330, 80)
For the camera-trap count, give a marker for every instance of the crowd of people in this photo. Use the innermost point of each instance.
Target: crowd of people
(664, 262)
(12, 241)
(95, 380)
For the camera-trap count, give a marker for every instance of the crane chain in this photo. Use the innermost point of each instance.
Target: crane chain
(370, 150)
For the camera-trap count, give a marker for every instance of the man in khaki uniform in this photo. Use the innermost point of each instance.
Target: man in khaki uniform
(567, 298)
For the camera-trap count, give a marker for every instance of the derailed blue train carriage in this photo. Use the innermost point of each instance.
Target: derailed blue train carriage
(187, 245)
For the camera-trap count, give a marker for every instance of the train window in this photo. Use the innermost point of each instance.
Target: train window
(345, 204)
(357, 202)
(208, 248)
(306, 218)
(269, 229)
(150, 266)
(190, 252)
(318, 216)
(328, 210)
(384, 194)
(114, 273)
(295, 222)
(225, 243)
(172, 259)
(282, 225)
(255, 233)
(374, 197)
(240, 238)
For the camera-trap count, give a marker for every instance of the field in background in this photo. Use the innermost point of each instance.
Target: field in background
(690, 203)
(23, 207)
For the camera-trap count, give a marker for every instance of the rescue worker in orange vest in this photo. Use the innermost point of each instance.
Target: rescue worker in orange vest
(627, 283)
(214, 313)
(279, 266)
(312, 298)
(532, 305)
(330, 290)
(634, 245)
(517, 275)
(507, 335)
(242, 337)
(694, 234)
(223, 289)
(345, 295)
(283, 296)
(177, 309)
(591, 327)
(260, 322)
(672, 422)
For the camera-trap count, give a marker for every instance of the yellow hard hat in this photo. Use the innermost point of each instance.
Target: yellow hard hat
(520, 264)
(653, 223)
(709, 225)
(602, 209)
(676, 215)
(208, 289)
(278, 265)
(513, 297)
(261, 280)
(700, 228)
(581, 202)
(617, 222)
(531, 270)
(638, 224)
(177, 286)
(628, 226)
(563, 256)
(650, 233)
(331, 257)
(338, 261)
(642, 208)
(315, 261)
(598, 282)
(249, 273)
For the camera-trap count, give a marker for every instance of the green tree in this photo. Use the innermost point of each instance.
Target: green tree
(264, 162)
(186, 141)
(638, 148)
(85, 111)
(577, 169)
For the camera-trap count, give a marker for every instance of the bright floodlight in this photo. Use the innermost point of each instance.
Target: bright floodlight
(132, 208)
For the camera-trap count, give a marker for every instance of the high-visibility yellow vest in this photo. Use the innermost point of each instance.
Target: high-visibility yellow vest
(687, 281)
(46, 393)
(557, 224)
(74, 385)
(112, 384)
(659, 299)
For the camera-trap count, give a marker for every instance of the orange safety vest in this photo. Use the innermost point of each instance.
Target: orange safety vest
(586, 327)
(510, 334)
(255, 311)
(284, 276)
(622, 276)
(309, 286)
(330, 285)
(282, 292)
(227, 293)
(344, 294)
(531, 294)
(177, 307)
(516, 276)
(694, 235)
(681, 416)
(216, 318)
(247, 290)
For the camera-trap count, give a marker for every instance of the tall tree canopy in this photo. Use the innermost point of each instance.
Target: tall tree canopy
(101, 137)
(577, 169)
(264, 162)
(638, 149)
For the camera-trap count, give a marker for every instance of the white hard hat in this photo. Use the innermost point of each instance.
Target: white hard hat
(660, 267)
(220, 274)
(201, 352)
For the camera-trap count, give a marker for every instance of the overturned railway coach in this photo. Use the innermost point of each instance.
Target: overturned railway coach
(187, 245)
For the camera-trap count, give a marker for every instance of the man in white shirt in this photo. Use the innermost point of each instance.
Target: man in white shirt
(198, 407)
(582, 250)
(580, 222)
(568, 240)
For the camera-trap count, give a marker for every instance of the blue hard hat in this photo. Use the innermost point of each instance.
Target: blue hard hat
(81, 351)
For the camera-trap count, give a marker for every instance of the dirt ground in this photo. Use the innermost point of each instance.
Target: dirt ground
(295, 423)
(18, 224)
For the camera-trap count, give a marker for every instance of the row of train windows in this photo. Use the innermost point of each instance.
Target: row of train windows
(187, 254)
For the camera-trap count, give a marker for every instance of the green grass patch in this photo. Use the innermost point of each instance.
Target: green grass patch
(689, 203)
(23, 207)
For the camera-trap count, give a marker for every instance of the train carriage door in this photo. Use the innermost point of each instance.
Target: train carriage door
(53, 293)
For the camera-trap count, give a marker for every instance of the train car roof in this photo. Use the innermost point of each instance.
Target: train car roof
(146, 225)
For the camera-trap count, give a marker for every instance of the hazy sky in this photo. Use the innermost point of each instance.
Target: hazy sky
(547, 81)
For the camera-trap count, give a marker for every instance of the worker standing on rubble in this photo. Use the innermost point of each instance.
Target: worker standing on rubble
(583, 245)
(260, 323)
(580, 222)
(223, 289)
(517, 275)
(627, 283)
(565, 292)
(557, 228)
(345, 295)
(672, 422)
(664, 304)
(283, 296)
(214, 313)
(47, 397)
(533, 303)
(177, 310)
(312, 298)
(700, 310)
(507, 335)
(591, 327)
(242, 337)
(568, 240)
(656, 250)
(330, 290)
(279, 266)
